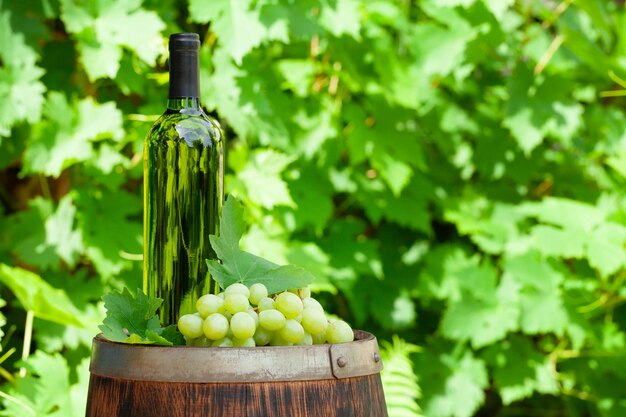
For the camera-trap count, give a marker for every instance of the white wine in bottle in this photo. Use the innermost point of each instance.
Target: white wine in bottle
(183, 189)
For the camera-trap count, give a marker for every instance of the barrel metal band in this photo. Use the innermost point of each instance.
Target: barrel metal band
(235, 364)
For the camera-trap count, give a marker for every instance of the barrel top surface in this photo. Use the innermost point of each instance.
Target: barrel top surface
(236, 364)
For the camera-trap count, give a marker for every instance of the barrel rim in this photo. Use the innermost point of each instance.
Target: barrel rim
(194, 364)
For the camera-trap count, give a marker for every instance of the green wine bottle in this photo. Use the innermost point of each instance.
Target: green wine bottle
(183, 189)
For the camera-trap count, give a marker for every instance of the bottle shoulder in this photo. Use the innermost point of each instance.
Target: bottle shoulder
(191, 126)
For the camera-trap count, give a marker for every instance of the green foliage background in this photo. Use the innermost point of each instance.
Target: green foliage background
(452, 170)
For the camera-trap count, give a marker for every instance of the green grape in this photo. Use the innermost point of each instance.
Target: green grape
(262, 336)
(249, 342)
(237, 288)
(265, 304)
(319, 339)
(215, 326)
(202, 342)
(272, 320)
(223, 342)
(242, 325)
(306, 340)
(221, 295)
(235, 303)
(339, 331)
(209, 304)
(289, 304)
(312, 303)
(190, 326)
(314, 321)
(278, 340)
(292, 332)
(258, 291)
(254, 315)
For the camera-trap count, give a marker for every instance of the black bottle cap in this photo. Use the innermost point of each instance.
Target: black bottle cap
(184, 42)
(184, 74)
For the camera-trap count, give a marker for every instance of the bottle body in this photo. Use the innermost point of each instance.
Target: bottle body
(183, 196)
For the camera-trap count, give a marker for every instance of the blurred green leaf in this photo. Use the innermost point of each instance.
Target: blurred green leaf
(262, 179)
(236, 24)
(103, 29)
(36, 295)
(452, 387)
(45, 391)
(69, 135)
(537, 286)
(20, 86)
(108, 228)
(341, 17)
(519, 370)
(484, 313)
(538, 106)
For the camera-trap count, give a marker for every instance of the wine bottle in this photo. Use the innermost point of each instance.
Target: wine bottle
(183, 189)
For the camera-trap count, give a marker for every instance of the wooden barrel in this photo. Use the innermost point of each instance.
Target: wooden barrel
(340, 380)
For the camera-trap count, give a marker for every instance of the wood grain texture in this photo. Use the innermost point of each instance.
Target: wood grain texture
(350, 397)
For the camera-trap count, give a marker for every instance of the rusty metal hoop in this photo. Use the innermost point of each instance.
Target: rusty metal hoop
(236, 364)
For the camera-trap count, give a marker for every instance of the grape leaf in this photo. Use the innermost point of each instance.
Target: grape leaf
(61, 233)
(341, 17)
(452, 387)
(519, 370)
(54, 337)
(410, 208)
(37, 295)
(605, 248)
(79, 392)
(45, 390)
(20, 86)
(299, 74)
(104, 28)
(106, 228)
(239, 266)
(564, 212)
(392, 308)
(484, 314)
(440, 50)
(312, 197)
(394, 160)
(566, 243)
(69, 135)
(24, 235)
(539, 292)
(531, 117)
(134, 320)
(493, 227)
(499, 7)
(262, 178)
(236, 25)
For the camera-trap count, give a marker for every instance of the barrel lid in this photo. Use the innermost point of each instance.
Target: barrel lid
(236, 364)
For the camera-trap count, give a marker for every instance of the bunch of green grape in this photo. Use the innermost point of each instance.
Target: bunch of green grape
(242, 316)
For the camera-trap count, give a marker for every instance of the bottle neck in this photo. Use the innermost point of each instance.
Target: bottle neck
(183, 103)
(184, 75)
